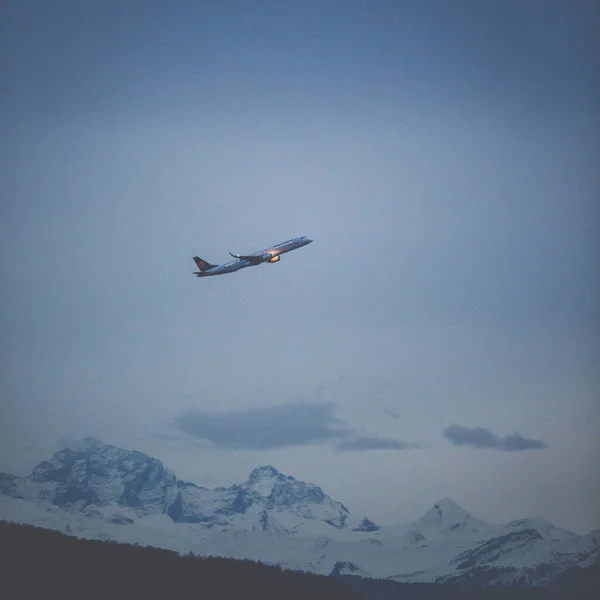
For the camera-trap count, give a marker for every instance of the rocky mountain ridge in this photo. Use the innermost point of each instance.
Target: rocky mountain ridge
(95, 490)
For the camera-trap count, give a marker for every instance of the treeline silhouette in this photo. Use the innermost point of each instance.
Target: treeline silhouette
(576, 584)
(40, 563)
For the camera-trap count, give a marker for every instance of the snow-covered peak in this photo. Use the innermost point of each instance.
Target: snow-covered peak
(447, 517)
(277, 492)
(446, 512)
(92, 457)
(88, 472)
(265, 472)
(262, 480)
(281, 490)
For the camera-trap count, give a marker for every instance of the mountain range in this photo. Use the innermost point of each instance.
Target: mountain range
(94, 490)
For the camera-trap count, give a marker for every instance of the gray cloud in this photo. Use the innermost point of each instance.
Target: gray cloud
(517, 442)
(259, 428)
(480, 437)
(296, 424)
(391, 413)
(471, 436)
(374, 443)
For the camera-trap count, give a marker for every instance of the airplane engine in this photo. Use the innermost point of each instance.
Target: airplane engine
(275, 259)
(266, 257)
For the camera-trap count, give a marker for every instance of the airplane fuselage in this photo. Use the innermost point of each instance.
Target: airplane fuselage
(271, 255)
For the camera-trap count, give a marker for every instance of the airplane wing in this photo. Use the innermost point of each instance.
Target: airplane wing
(254, 260)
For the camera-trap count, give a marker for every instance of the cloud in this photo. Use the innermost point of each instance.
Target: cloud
(517, 442)
(476, 436)
(259, 428)
(374, 443)
(296, 424)
(480, 437)
(391, 413)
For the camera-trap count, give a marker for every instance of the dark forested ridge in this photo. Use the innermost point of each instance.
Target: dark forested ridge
(577, 584)
(38, 563)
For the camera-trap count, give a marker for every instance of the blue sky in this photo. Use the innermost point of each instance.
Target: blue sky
(440, 335)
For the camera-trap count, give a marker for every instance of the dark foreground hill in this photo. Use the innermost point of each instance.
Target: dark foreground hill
(38, 563)
(578, 584)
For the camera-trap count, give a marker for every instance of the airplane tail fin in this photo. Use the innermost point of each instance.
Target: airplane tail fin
(202, 264)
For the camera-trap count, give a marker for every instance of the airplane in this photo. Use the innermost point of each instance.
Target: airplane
(270, 255)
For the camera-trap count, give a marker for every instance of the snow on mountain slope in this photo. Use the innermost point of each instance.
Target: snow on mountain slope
(90, 489)
(523, 556)
(448, 519)
(544, 528)
(91, 473)
(302, 508)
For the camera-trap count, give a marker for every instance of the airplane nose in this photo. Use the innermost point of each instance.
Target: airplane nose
(308, 241)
